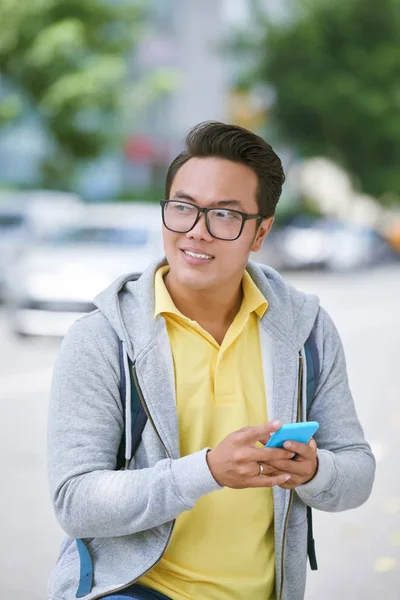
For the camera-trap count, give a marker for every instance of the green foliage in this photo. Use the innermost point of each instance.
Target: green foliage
(335, 66)
(151, 194)
(67, 60)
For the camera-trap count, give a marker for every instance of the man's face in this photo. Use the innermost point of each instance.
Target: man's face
(205, 182)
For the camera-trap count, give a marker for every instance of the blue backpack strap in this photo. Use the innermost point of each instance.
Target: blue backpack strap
(122, 391)
(313, 372)
(135, 413)
(313, 368)
(127, 449)
(86, 570)
(312, 554)
(138, 423)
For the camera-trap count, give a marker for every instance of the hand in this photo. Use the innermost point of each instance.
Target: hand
(235, 461)
(302, 469)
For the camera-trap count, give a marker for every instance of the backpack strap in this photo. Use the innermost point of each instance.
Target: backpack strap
(86, 570)
(313, 372)
(135, 417)
(313, 368)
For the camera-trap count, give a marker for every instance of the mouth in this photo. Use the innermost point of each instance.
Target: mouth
(196, 257)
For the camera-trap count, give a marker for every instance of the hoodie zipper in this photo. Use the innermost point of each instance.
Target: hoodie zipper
(146, 410)
(299, 392)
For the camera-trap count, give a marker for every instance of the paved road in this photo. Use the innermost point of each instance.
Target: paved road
(358, 551)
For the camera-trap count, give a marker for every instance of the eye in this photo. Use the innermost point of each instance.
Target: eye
(182, 208)
(227, 215)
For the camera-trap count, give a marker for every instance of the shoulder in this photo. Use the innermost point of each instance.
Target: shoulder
(327, 339)
(94, 325)
(92, 336)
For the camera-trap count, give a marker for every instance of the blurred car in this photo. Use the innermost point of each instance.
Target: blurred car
(14, 235)
(322, 243)
(26, 216)
(43, 210)
(56, 282)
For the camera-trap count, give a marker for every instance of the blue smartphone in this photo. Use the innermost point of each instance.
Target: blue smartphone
(294, 432)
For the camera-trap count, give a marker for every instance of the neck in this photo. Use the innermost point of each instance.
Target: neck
(211, 308)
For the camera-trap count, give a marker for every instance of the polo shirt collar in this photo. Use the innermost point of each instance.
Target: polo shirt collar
(253, 298)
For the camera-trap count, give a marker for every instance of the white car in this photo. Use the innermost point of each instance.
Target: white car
(57, 280)
(14, 236)
(25, 216)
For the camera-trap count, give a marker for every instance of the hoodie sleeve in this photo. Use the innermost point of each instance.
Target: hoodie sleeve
(85, 425)
(346, 465)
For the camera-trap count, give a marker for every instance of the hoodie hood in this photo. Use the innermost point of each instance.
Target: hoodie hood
(128, 305)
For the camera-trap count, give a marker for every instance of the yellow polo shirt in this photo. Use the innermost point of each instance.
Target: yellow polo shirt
(222, 549)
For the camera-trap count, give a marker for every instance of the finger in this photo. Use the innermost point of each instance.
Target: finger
(264, 469)
(268, 481)
(259, 432)
(301, 468)
(313, 444)
(269, 454)
(303, 450)
(290, 485)
(280, 465)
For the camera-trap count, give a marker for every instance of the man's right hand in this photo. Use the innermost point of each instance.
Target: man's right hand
(235, 462)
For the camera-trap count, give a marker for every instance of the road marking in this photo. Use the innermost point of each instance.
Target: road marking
(385, 564)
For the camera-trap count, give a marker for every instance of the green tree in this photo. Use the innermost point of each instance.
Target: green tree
(335, 68)
(67, 61)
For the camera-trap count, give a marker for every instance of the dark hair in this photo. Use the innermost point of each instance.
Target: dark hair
(214, 139)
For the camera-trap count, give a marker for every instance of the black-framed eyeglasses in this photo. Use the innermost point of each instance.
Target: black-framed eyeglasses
(222, 223)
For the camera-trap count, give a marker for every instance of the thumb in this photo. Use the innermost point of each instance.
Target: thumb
(261, 433)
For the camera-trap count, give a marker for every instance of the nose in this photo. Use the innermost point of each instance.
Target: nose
(200, 231)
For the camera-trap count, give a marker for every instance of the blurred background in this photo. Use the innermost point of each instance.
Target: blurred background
(96, 97)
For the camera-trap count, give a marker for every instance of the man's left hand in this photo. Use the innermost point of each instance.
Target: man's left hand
(302, 468)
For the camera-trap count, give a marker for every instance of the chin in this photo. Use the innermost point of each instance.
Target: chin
(196, 281)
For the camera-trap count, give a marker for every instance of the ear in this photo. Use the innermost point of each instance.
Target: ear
(262, 233)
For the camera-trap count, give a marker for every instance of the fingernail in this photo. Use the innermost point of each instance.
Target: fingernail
(287, 477)
(288, 444)
(276, 423)
(292, 455)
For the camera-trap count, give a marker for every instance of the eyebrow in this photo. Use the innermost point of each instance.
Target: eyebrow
(231, 202)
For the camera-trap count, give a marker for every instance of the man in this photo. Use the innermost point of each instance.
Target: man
(203, 510)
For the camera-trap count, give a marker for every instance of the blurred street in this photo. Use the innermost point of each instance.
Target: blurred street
(358, 551)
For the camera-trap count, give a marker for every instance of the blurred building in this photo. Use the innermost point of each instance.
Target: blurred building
(185, 54)
(186, 41)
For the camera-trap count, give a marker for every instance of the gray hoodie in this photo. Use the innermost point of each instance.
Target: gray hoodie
(125, 518)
